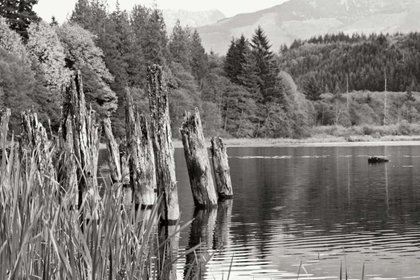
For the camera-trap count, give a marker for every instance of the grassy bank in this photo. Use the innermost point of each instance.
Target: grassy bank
(395, 134)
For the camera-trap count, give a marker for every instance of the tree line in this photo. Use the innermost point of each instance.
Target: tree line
(341, 63)
(249, 92)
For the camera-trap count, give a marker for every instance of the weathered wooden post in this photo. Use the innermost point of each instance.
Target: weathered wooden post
(197, 158)
(118, 162)
(125, 173)
(221, 168)
(67, 175)
(113, 151)
(84, 126)
(162, 144)
(142, 158)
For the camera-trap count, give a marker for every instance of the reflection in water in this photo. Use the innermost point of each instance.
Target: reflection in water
(148, 220)
(319, 205)
(201, 238)
(168, 251)
(223, 223)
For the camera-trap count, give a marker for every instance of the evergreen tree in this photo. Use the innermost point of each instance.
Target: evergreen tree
(311, 88)
(82, 14)
(19, 14)
(199, 59)
(266, 68)
(119, 47)
(138, 68)
(54, 22)
(91, 15)
(154, 39)
(179, 46)
(235, 57)
(249, 78)
(230, 65)
(124, 58)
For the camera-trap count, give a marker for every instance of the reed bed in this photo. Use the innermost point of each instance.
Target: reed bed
(44, 235)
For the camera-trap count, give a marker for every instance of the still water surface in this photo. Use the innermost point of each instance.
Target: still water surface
(308, 209)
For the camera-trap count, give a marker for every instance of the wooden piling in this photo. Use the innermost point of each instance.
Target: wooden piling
(114, 159)
(85, 128)
(197, 158)
(162, 144)
(221, 168)
(68, 166)
(142, 159)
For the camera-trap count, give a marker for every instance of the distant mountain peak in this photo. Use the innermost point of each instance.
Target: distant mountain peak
(191, 19)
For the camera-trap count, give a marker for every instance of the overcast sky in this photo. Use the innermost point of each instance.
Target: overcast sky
(61, 9)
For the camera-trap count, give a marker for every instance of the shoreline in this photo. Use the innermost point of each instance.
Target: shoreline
(329, 141)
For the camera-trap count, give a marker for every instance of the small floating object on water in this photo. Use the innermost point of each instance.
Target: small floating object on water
(375, 159)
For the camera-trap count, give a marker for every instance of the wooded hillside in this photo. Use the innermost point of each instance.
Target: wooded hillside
(250, 92)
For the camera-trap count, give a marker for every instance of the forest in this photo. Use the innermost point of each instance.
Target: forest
(249, 92)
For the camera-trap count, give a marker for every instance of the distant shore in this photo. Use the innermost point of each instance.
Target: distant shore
(329, 141)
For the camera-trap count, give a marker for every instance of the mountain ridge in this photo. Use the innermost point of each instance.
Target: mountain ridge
(190, 19)
(302, 19)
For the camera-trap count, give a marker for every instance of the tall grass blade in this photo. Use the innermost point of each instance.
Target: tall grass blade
(230, 266)
(298, 272)
(363, 271)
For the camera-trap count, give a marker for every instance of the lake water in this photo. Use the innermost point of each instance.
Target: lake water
(308, 209)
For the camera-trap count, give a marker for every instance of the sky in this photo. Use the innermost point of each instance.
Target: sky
(61, 9)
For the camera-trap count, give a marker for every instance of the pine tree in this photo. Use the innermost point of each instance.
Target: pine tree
(235, 57)
(179, 46)
(249, 78)
(54, 22)
(266, 69)
(139, 18)
(19, 15)
(230, 65)
(82, 13)
(154, 39)
(311, 88)
(199, 59)
(119, 47)
(92, 15)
